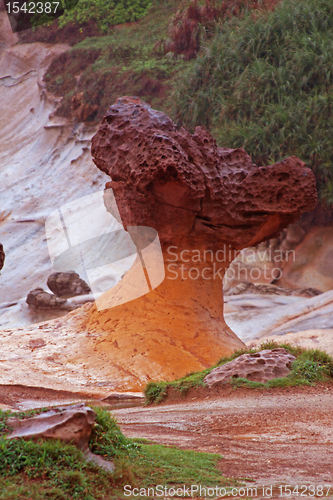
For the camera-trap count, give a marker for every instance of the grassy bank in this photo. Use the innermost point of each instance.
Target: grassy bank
(57, 471)
(265, 84)
(123, 62)
(261, 79)
(310, 366)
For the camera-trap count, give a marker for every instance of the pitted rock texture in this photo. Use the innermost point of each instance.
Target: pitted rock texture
(190, 190)
(259, 367)
(67, 284)
(2, 256)
(69, 424)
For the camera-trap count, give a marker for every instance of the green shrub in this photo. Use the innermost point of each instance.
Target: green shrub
(105, 12)
(266, 84)
(106, 437)
(54, 470)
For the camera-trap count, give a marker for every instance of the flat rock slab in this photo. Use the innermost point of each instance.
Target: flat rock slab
(69, 424)
(309, 339)
(259, 367)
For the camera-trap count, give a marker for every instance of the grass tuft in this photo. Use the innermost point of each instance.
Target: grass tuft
(54, 470)
(310, 366)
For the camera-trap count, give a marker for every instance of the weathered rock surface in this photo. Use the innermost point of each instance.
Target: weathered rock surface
(262, 289)
(297, 258)
(71, 424)
(67, 284)
(207, 198)
(312, 264)
(254, 316)
(39, 299)
(259, 367)
(309, 339)
(26, 193)
(187, 188)
(7, 37)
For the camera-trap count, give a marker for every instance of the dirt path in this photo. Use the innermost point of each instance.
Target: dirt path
(285, 436)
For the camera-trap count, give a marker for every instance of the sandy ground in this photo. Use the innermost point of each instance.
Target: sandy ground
(265, 438)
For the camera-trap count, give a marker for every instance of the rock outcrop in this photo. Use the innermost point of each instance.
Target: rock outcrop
(71, 424)
(188, 189)
(67, 284)
(312, 264)
(262, 289)
(300, 257)
(39, 299)
(259, 367)
(254, 316)
(206, 203)
(309, 339)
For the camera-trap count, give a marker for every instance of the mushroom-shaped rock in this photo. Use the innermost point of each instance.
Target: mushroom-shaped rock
(206, 203)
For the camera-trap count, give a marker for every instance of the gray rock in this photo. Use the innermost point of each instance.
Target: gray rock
(71, 424)
(39, 299)
(67, 284)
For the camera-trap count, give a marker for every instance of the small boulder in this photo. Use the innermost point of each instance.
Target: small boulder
(259, 367)
(39, 299)
(67, 284)
(71, 424)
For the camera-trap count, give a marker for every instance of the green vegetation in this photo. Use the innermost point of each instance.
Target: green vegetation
(262, 80)
(54, 470)
(105, 13)
(310, 366)
(124, 62)
(265, 83)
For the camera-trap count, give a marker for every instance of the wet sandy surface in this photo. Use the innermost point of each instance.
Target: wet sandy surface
(269, 438)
